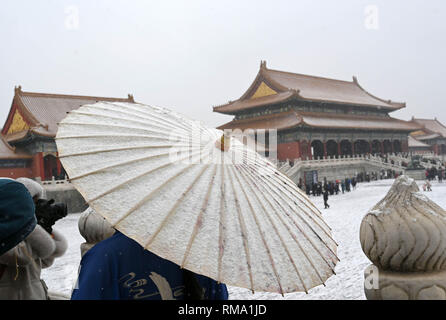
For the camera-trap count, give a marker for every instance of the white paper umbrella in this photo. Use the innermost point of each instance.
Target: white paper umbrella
(221, 211)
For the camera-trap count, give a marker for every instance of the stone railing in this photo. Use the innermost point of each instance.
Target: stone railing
(54, 182)
(397, 165)
(292, 167)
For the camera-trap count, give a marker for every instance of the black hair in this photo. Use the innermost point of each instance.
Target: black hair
(192, 289)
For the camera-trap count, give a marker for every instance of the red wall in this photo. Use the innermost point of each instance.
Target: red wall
(289, 150)
(15, 173)
(37, 166)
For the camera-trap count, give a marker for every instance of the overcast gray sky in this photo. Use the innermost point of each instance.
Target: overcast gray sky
(191, 55)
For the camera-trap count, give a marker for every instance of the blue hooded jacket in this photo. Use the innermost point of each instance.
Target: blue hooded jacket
(17, 214)
(118, 268)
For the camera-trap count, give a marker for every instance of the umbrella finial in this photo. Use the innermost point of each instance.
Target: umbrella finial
(224, 142)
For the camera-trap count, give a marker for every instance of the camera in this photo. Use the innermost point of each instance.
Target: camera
(48, 212)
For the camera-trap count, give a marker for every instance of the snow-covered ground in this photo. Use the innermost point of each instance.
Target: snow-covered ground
(344, 217)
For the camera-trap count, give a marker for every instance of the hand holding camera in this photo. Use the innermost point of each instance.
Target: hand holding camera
(48, 212)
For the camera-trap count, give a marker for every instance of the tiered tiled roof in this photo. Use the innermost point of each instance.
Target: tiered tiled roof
(280, 86)
(432, 128)
(39, 113)
(292, 119)
(414, 143)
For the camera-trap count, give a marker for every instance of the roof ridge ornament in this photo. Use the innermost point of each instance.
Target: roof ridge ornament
(18, 89)
(262, 64)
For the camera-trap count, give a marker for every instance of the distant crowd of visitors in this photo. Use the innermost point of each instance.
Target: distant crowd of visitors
(343, 185)
(434, 173)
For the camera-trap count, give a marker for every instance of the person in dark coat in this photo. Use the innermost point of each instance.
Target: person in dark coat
(118, 268)
(319, 189)
(343, 186)
(347, 184)
(326, 199)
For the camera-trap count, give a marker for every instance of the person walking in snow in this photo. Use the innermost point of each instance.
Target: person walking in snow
(326, 199)
(428, 185)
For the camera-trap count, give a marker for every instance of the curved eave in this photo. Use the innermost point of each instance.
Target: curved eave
(355, 127)
(284, 121)
(27, 135)
(239, 105)
(10, 153)
(358, 120)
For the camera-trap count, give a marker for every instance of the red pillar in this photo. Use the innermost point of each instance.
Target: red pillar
(339, 148)
(391, 147)
(59, 165)
(325, 149)
(382, 146)
(38, 170)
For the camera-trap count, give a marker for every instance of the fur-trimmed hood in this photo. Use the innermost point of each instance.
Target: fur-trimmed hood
(33, 187)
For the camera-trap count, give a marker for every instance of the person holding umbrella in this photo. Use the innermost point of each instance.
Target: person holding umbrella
(190, 214)
(118, 268)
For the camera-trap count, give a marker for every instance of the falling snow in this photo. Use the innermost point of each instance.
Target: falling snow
(344, 217)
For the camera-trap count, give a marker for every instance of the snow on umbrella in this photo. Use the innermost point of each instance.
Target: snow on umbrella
(196, 197)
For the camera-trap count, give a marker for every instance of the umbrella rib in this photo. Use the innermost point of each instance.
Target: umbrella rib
(277, 232)
(273, 169)
(312, 229)
(113, 136)
(150, 195)
(173, 209)
(243, 232)
(291, 184)
(119, 149)
(301, 218)
(265, 243)
(119, 164)
(292, 235)
(199, 218)
(110, 126)
(311, 242)
(133, 178)
(150, 116)
(100, 116)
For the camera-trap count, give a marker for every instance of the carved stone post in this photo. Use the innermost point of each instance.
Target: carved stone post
(94, 228)
(404, 235)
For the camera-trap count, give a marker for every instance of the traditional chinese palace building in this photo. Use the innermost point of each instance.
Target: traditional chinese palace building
(431, 133)
(27, 145)
(317, 117)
